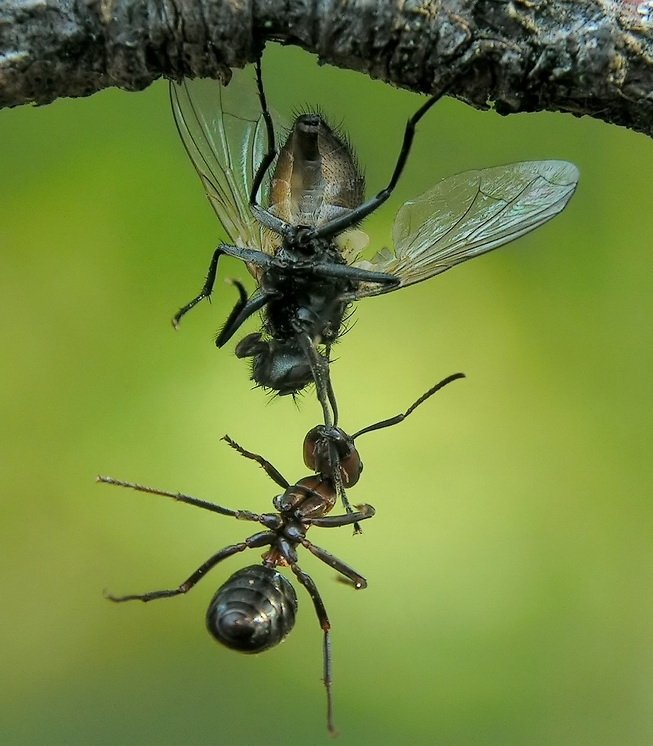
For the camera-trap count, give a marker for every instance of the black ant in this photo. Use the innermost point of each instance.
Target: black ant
(255, 608)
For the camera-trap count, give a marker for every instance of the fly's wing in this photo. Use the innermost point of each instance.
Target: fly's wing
(223, 131)
(468, 215)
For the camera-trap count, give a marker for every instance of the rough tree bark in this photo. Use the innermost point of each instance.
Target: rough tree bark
(591, 57)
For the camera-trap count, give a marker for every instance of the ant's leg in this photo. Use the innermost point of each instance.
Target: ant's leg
(332, 521)
(257, 540)
(251, 256)
(274, 474)
(338, 565)
(241, 515)
(401, 417)
(323, 619)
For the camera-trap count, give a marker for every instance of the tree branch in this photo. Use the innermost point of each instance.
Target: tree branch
(591, 57)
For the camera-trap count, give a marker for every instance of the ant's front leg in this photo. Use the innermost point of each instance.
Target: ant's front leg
(274, 474)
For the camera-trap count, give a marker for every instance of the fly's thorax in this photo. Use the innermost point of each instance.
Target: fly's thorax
(302, 250)
(317, 177)
(316, 310)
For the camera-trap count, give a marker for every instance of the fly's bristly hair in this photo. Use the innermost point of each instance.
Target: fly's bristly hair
(301, 242)
(339, 134)
(272, 395)
(339, 131)
(349, 321)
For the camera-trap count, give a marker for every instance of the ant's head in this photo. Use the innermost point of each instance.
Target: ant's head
(327, 448)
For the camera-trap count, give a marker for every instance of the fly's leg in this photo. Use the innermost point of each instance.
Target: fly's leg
(271, 153)
(249, 256)
(353, 217)
(206, 290)
(326, 397)
(244, 308)
(238, 307)
(320, 369)
(357, 274)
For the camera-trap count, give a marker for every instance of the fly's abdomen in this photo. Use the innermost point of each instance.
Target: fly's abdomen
(253, 611)
(317, 177)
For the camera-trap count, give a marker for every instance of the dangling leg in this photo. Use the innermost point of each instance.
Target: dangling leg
(331, 394)
(326, 396)
(238, 306)
(323, 619)
(240, 313)
(206, 290)
(320, 370)
(251, 256)
(262, 539)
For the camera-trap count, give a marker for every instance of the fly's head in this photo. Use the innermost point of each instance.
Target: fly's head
(279, 366)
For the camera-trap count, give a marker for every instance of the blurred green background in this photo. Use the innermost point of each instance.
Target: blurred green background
(510, 563)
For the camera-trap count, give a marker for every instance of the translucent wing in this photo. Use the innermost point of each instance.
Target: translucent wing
(468, 215)
(224, 134)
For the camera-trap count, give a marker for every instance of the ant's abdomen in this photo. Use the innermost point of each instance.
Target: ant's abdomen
(253, 611)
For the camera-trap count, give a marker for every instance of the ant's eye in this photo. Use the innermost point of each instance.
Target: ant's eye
(351, 469)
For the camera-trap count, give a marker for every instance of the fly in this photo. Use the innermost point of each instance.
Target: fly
(302, 243)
